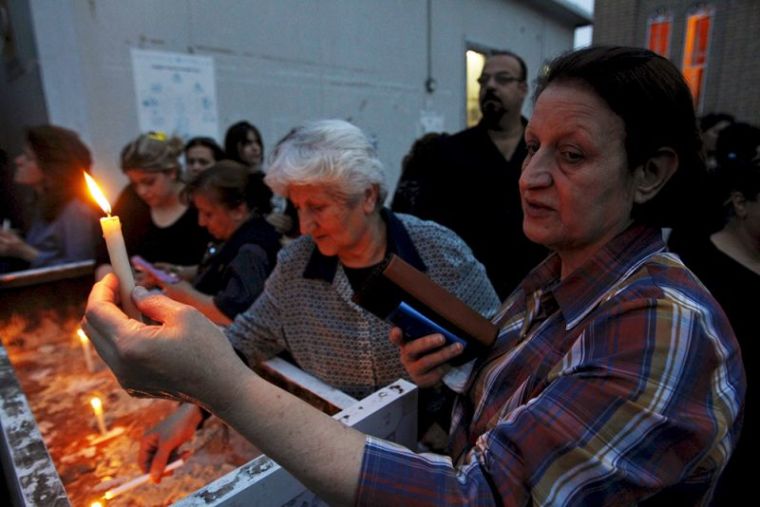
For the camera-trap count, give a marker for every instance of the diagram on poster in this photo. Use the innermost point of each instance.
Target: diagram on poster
(176, 93)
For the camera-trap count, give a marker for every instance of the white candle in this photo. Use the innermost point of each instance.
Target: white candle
(86, 350)
(97, 408)
(141, 479)
(117, 251)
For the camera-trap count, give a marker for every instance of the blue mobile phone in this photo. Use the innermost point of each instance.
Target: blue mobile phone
(143, 265)
(415, 325)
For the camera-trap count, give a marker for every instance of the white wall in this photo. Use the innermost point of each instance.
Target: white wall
(279, 62)
(22, 102)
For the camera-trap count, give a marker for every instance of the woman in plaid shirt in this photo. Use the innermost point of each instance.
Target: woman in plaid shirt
(616, 378)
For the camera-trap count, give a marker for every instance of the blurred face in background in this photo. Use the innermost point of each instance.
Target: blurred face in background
(197, 159)
(250, 150)
(502, 89)
(220, 221)
(156, 188)
(28, 171)
(747, 214)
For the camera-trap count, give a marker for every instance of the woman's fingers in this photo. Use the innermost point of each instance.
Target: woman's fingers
(426, 358)
(102, 317)
(158, 307)
(437, 359)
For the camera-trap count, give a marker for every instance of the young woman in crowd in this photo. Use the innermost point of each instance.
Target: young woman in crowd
(157, 224)
(243, 144)
(728, 263)
(63, 224)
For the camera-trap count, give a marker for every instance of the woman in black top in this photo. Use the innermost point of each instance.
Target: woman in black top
(157, 224)
(728, 263)
(233, 271)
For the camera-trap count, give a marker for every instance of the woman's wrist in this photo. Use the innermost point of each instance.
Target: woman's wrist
(27, 252)
(234, 391)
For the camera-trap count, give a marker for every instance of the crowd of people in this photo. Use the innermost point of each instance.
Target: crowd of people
(617, 376)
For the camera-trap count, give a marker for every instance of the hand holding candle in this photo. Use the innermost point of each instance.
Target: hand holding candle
(117, 251)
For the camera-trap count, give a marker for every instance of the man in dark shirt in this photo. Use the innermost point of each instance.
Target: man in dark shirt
(469, 181)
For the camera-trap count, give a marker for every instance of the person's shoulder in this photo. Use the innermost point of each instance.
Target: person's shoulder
(416, 225)
(458, 139)
(453, 151)
(664, 277)
(258, 230)
(429, 235)
(297, 252)
(251, 254)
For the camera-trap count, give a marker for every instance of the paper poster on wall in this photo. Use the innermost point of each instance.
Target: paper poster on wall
(430, 121)
(176, 93)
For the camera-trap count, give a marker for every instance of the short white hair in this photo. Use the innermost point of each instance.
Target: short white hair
(332, 153)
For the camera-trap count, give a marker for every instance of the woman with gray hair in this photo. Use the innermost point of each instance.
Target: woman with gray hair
(330, 172)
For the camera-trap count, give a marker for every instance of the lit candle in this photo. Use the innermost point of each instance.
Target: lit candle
(96, 504)
(140, 479)
(86, 349)
(117, 251)
(97, 408)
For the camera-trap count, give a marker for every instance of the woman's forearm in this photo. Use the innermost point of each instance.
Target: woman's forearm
(203, 302)
(27, 252)
(319, 451)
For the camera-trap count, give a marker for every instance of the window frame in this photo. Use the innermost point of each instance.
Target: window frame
(659, 19)
(695, 72)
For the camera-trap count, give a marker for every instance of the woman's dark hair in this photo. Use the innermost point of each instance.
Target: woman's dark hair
(747, 181)
(520, 61)
(709, 120)
(737, 145)
(651, 97)
(209, 143)
(238, 134)
(230, 184)
(61, 156)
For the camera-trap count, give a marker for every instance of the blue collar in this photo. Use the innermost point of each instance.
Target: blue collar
(321, 267)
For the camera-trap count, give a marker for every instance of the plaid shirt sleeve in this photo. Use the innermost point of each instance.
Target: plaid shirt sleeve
(644, 398)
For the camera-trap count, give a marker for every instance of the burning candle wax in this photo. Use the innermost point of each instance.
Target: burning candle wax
(86, 349)
(117, 251)
(97, 408)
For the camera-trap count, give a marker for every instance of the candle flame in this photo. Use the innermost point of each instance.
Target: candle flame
(96, 504)
(82, 337)
(97, 405)
(97, 194)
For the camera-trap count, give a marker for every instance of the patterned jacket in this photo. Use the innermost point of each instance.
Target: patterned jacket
(306, 307)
